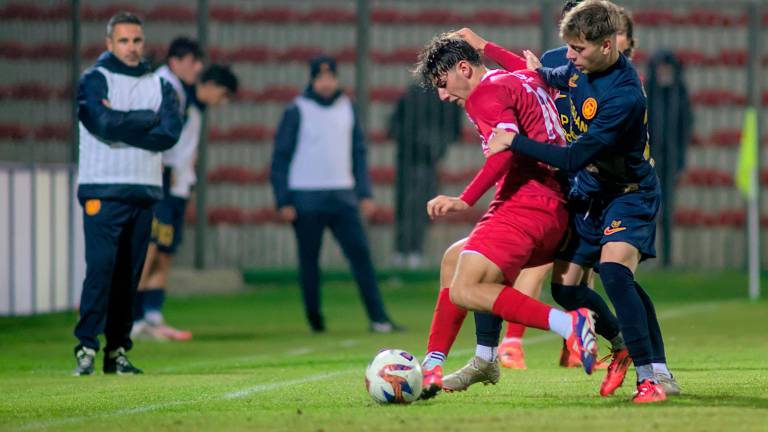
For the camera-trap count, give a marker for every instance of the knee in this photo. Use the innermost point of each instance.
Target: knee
(460, 295)
(560, 295)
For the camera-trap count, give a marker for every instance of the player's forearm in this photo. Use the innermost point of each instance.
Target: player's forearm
(555, 77)
(506, 59)
(494, 169)
(571, 158)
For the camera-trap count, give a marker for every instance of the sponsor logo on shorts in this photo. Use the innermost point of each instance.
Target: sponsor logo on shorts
(614, 228)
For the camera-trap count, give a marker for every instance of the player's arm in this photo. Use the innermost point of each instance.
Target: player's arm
(102, 121)
(165, 134)
(605, 130)
(506, 59)
(360, 162)
(556, 77)
(285, 146)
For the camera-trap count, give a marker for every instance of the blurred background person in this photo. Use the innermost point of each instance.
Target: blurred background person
(670, 125)
(320, 180)
(183, 67)
(422, 126)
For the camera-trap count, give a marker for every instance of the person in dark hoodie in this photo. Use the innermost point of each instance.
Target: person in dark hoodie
(320, 180)
(670, 123)
(128, 116)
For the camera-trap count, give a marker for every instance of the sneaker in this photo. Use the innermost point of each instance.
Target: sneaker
(476, 371)
(169, 333)
(143, 330)
(511, 355)
(620, 362)
(568, 358)
(649, 392)
(116, 362)
(385, 327)
(582, 339)
(669, 384)
(432, 382)
(84, 357)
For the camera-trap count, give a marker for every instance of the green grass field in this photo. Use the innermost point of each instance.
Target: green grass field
(254, 366)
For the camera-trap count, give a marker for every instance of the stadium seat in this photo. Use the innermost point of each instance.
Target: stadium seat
(434, 16)
(718, 97)
(378, 136)
(225, 13)
(12, 131)
(386, 94)
(272, 15)
(52, 132)
(172, 13)
(23, 11)
(329, 15)
(387, 16)
(103, 13)
(300, 53)
(241, 133)
(493, 17)
(12, 50)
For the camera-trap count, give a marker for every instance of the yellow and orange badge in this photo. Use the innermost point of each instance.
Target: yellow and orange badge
(589, 108)
(92, 207)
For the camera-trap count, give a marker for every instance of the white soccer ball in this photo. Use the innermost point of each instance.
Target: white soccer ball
(394, 376)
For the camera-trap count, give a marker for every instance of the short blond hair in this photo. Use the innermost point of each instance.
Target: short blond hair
(592, 20)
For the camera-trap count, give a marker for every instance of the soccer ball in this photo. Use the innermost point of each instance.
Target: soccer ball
(393, 376)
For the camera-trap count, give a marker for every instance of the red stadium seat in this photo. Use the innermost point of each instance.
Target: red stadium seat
(300, 53)
(12, 50)
(387, 16)
(726, 137)
(53, 132)
(718, 97)
(227, 215)
(435, 16)
(241, 133)
(12, 131)
(329, 15)
(503, 18)
(172, 13)
(251, 54)
(23, 11)
(382, 175)
(103, 13)
(378, 136)
(273, 15)
(228, 13)
(386, 94)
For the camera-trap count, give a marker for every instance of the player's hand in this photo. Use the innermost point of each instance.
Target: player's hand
(367, 207)
(532, 62)
(500, 140)
(472, 38)
(106, 103)
(287, 213)
(441, 205)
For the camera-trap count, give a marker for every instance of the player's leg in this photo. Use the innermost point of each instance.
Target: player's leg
(446, 323)
(131, 255)
(659, 361)
(102, 227)
(530, 282)
(347, 228)
(308, 228)
(618, 262)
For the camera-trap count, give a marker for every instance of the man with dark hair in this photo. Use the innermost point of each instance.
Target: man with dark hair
(523, 226)
(128, 115)
(615, 193)
(183, 68)
(320, 180)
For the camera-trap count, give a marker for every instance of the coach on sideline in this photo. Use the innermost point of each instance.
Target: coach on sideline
(128, 115)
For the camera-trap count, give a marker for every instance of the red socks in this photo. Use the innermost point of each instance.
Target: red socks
(515, 331)
(514, 306)
(446, 323)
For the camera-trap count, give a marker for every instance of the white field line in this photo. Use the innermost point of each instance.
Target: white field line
(264, 388)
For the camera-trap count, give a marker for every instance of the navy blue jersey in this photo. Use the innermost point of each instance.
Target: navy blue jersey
(608, 112)
(552, 59)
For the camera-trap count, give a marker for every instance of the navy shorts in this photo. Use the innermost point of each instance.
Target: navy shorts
(629, 218)
(168, 223)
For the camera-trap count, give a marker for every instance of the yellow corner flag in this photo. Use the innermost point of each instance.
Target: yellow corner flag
(748, 154)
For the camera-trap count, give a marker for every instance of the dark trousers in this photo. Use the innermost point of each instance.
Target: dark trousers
(415, 185)
(337, 210)
(116, 240)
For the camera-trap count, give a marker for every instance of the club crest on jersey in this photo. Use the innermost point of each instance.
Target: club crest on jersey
(572, 81)
(589, 108)
(614, 228)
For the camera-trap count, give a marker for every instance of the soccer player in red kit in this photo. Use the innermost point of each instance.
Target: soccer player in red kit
(527, 218)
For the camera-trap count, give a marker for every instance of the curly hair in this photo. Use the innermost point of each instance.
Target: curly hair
(440, 55)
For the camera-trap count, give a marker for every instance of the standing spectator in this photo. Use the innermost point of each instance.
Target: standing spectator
(128, 115)
(320, 180)
(423, 126)
(670, 122)
(182, 69)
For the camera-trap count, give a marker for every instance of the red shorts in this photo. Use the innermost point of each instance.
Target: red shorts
(525, 231)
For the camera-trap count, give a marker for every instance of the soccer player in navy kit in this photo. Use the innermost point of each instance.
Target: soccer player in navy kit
(615, 193)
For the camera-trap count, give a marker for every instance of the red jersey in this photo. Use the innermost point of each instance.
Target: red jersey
(519, 102)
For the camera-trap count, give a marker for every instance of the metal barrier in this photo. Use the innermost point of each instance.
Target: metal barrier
(42, 262)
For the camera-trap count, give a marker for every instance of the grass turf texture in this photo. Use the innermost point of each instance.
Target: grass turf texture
(254, 366)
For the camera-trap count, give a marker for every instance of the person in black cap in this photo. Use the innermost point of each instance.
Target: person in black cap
(319, 176)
